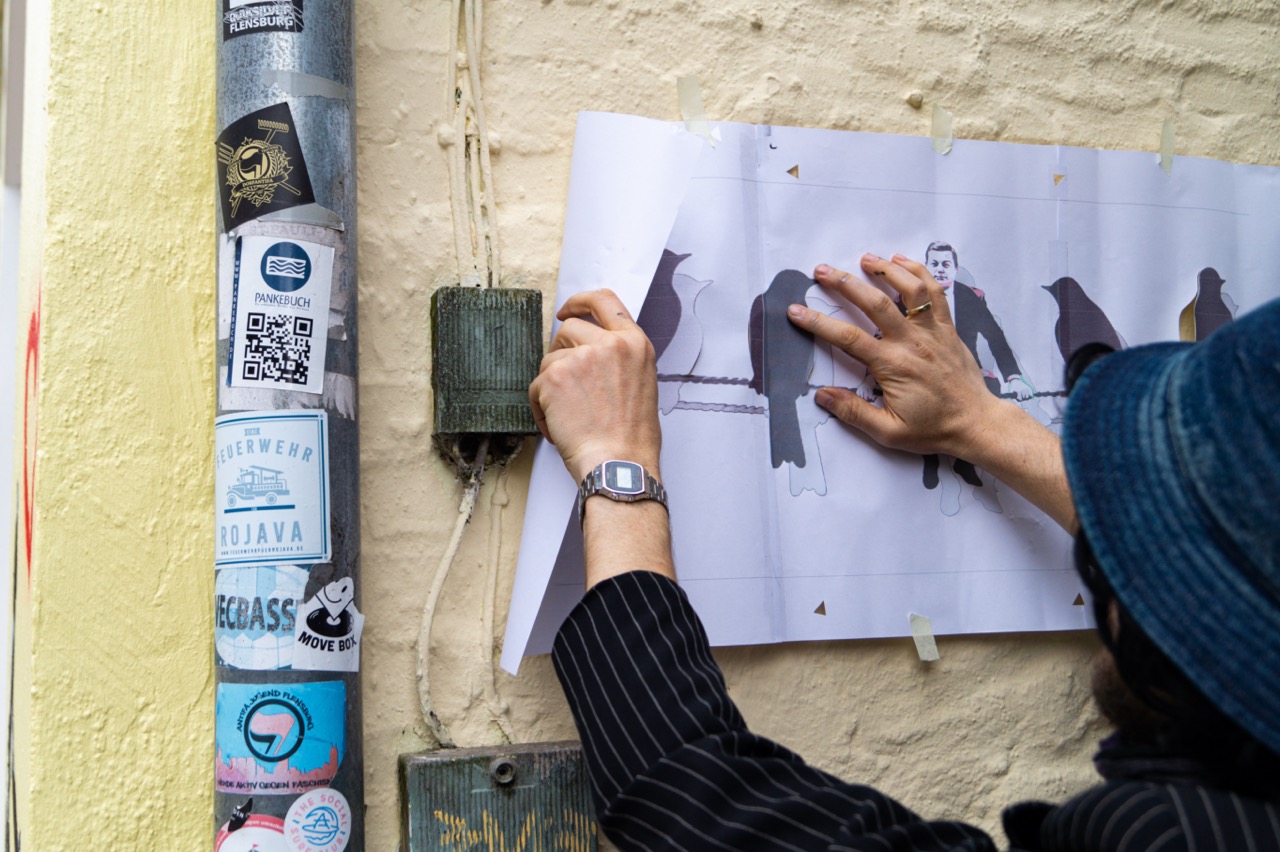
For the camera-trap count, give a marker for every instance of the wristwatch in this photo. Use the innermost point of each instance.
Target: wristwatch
(624, 481)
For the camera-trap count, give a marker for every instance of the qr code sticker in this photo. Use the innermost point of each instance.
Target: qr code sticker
(277, 348)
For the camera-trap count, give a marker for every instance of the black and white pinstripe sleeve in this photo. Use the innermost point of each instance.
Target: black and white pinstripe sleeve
(671, 761)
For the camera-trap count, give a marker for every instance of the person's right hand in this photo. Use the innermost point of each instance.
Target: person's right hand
(934, 396)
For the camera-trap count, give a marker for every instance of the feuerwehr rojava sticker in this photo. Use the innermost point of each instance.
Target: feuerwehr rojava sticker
(260, 166)
(255, 615)
(279, 739)
(280, 314)
(271, 475)
(241, 17)
(328, 629)
(319, 821)
(250, 832)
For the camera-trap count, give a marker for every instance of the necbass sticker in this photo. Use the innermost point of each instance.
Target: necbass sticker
(279, 739)
(271, 475)
(260, 166)
(255, 615)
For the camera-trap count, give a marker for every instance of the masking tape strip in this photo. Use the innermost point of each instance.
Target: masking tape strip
(307, 214)
(691, 108)
(305, 85)
(922, 633)
(1166, 146)
(941, 130)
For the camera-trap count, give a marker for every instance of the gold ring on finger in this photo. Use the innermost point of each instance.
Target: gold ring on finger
(919, 309)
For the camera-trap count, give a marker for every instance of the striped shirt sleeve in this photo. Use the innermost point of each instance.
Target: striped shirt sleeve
(671, 761)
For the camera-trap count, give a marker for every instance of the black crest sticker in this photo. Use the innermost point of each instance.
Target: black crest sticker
(260, 166)
(241, 17)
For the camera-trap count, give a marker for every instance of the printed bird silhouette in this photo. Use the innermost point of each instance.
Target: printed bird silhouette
(781, 361)
(1080, 320)
(668, 317)
(1213, 307)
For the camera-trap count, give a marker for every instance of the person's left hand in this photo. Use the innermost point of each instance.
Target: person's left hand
(596, 395)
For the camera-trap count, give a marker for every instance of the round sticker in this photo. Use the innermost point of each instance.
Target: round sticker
(286, 267)
(319, 821)
(257, 834)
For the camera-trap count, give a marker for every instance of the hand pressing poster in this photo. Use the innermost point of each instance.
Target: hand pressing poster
(788, 525)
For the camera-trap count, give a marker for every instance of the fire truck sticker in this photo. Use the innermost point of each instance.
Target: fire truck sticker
(271, 476)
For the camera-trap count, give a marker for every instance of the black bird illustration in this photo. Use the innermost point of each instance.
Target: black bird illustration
(1213, 308)
(660, 313)
(1080, 320)
(781, 361)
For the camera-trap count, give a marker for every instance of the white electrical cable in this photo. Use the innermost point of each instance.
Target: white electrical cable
(468, 505)
(498, 709)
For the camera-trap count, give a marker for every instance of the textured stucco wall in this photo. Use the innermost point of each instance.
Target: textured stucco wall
(119, 219)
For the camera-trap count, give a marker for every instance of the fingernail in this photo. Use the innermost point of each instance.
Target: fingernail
(822, 269)
(797, 311)
(824, 398)
(870, 256)
(898, 258)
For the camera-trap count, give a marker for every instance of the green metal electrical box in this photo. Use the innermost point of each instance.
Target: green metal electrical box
(486, 349)
(529, 796)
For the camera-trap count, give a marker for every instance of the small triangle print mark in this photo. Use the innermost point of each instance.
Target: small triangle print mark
(1079, 601)
(822, 609)
(1057, 179)
(794, 171)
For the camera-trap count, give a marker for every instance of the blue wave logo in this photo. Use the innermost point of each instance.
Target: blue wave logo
(286, 267)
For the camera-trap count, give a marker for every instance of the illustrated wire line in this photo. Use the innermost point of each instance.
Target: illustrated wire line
(468, 505)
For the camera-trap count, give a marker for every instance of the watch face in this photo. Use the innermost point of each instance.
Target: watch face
(624, 477)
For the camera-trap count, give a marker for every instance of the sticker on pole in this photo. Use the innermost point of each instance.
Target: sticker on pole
(278, 739)
(246, 832)
(241, 17)
(279, 314)
(260, 166)
(319, 821)
(255, 615)
(271, 476)
(328, 630)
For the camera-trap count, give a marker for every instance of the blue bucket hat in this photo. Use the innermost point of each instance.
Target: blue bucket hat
(1173, 455)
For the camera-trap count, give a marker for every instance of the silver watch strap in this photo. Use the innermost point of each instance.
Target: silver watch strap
(595, 483)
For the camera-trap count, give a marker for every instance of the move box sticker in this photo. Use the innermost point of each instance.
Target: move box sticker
(279, 314)
(241, 17)
(271, 476)
(255, 615)
(328, 629)
(279, 739)
(260, 166)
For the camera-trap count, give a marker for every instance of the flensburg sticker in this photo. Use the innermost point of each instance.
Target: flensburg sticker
(328, 629)
(241, 17)
(246, 832)
(271, 476)
(279, 739)
(255, 615)
(260, 166)
(319, 821)
(280, 314)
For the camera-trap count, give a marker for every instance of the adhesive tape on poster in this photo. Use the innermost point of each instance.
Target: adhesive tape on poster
(922, 633)
(1166, 146)
(691, 107)
(942, 138)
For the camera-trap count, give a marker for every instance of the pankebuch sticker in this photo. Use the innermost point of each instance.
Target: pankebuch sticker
(280, 314)
(328, 630)
(260, 166)
(271, 475)
(241, 17)
(279, 739)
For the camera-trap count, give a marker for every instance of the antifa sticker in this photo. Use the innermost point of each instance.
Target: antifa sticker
(241, 17)
(328, 630)
(260, 166)
(278, 739)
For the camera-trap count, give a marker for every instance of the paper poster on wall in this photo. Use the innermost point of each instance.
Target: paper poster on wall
(279, 314)
(786, 524)
(242, 17)
(271, 476)
(278, 739)
(328, 629)
(255, 615)
(260, 166)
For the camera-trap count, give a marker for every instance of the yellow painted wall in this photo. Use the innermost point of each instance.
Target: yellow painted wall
(115, 731)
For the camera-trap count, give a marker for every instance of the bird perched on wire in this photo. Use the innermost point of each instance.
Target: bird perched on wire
(781, 361)
(1080, 320)
(1213, 307)
(667, 317)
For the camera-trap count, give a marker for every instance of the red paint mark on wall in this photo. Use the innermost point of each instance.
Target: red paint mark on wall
(29, 418)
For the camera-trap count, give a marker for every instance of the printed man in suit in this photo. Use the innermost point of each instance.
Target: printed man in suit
(973, 320)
